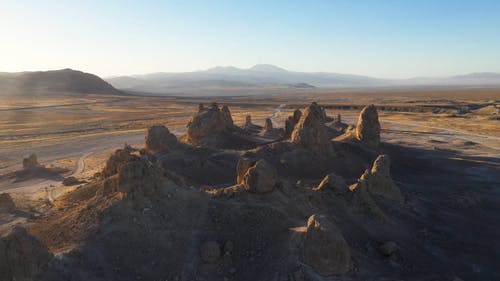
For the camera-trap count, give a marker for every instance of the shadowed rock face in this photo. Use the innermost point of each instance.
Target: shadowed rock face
(242, 167)
(159, 138)
(30, 162)
(227, 115)
(22, 257)
(248, 122)
(6, 201)
(310, 132)
(208, 123)
(268, 126)
(368, 127)
(139, 176)
(260, 178)
(291, 122)
(325, 249)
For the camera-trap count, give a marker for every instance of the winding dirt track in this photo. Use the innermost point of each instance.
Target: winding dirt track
(50, 185)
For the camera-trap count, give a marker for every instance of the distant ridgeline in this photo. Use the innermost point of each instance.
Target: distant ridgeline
(54, 81)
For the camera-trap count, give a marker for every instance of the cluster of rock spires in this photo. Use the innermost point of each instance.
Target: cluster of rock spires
(208, 124)
(137, 174)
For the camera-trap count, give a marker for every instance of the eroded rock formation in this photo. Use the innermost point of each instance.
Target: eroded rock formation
(6, 201)
(310, 132)
(30, 162)
(379, 181)
(291, 121)
(324, 248)
(207, 124)
(368, 127)
(159, 138)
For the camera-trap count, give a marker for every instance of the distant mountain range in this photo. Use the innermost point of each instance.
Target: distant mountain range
(265, 75)
(214, 81)
(54, 81)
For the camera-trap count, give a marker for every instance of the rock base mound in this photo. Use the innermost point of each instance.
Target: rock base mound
(324, 248)
(22, 256)
(6, 201)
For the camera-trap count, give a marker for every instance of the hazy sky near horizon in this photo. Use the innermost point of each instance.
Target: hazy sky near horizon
(392, 38)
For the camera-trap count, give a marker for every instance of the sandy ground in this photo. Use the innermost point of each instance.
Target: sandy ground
(87, 130)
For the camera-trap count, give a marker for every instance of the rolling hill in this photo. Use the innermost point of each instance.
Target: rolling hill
(54, 81)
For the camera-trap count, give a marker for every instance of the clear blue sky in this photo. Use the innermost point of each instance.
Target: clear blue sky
(379, 38)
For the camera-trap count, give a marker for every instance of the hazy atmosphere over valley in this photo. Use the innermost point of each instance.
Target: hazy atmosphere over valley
(249, 140)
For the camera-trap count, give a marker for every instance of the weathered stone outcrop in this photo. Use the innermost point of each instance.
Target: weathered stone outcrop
(117, 160)
(259, 177)
(22, 256)
(368, 127)
(311, 133)
(159, 138)
(333, 182)
(208, 124)
(130, 173)
(6, 201)
(30, 162)
(324, 248)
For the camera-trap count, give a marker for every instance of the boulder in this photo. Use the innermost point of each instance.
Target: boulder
(22, 256)
(260, 178)
(311, 133)
(333, 182)
(30, 162)
(70, 181)
(6, 201)
(159, 138)
(368, 127)
(324, 247)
